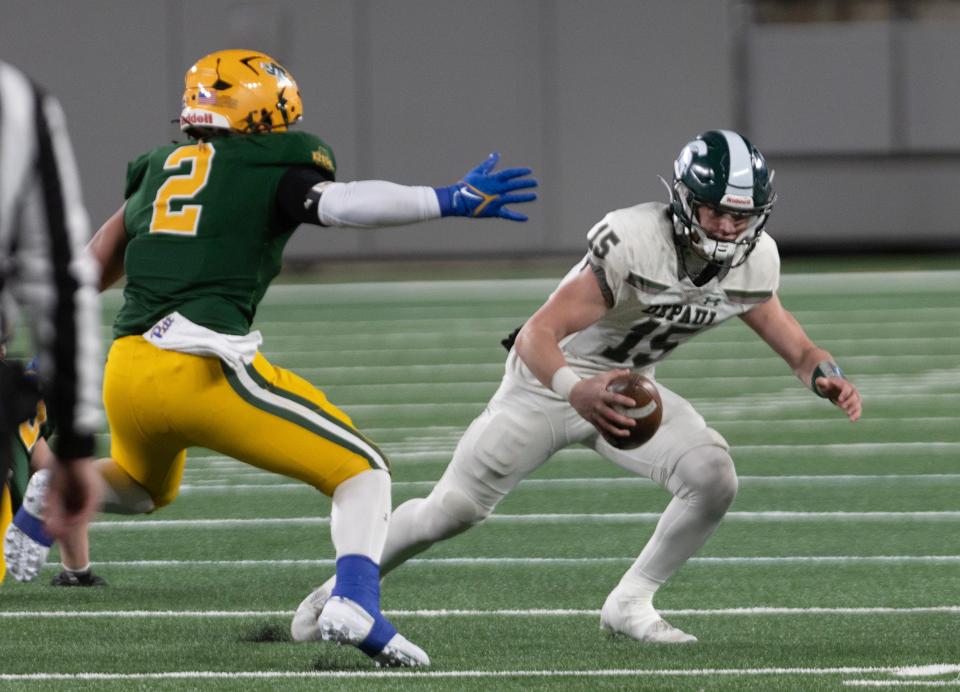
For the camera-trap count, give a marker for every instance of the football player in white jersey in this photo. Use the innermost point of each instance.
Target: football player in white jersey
(655, 275)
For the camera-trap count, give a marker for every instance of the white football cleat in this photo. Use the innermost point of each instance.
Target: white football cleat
(346, 622)
(304, 626)
(638, 620)
(25, 544)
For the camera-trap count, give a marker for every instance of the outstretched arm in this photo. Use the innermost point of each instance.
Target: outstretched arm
(813, 365)
(303, 195)
(575, 305)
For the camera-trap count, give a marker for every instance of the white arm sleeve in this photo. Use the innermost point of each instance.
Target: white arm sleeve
(373, 203)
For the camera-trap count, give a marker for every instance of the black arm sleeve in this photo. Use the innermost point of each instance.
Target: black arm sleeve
(294, 197)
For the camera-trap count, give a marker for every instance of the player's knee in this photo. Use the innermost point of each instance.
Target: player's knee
(710, 476)
(720, 481)
(122, 494)
(460, 511)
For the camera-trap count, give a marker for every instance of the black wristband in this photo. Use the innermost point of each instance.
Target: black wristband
(825, 368)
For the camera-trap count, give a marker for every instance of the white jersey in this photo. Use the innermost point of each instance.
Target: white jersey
(653, 310)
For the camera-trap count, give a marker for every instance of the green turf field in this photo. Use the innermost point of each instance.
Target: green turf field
(838, 566)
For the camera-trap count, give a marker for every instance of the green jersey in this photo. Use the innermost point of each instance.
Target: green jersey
(205, 237)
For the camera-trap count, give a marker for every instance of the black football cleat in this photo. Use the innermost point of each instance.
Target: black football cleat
(87, 578)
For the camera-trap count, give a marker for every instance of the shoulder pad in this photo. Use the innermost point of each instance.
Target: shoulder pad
(303, 148)
(634, 246)
(137, 169)
(284, 149)
(757, 279)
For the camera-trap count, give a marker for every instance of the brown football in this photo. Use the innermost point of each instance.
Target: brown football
(648, 411)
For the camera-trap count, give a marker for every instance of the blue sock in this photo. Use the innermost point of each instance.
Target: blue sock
(358, 578)
(32, 526)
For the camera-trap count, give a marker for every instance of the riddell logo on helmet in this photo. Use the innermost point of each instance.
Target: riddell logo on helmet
(736, 201)
(197, 118)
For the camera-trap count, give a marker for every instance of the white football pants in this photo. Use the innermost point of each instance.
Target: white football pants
(524, 425)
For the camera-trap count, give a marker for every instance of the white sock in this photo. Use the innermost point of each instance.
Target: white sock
(71, 570)
(638, 586)
(361, 515)
(414, 526)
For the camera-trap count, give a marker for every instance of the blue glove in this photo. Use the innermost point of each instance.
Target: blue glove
(485, 194)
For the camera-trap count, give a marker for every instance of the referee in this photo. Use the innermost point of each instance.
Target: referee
(46, 272)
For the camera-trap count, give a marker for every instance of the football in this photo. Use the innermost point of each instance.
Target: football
(648, 411)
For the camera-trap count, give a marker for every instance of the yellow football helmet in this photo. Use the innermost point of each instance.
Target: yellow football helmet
(241, 90)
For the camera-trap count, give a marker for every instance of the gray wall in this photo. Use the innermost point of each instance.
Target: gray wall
(861, 121)
(596, 95)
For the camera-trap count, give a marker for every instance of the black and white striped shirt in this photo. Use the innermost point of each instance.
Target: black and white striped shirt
(44, 267)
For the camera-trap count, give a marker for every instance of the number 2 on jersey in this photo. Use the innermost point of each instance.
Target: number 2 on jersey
(184, 186)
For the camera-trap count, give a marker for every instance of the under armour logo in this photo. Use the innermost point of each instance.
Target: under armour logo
(711, 300)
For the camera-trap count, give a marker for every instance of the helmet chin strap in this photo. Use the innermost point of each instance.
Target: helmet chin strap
(693, 265)
(697, 268)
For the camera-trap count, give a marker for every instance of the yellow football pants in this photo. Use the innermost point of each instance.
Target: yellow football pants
(160, 402)
(6, 516)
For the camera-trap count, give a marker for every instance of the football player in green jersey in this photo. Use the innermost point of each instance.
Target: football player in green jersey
(199, 239)
(32, 456)
(32, 462)
(29, 453)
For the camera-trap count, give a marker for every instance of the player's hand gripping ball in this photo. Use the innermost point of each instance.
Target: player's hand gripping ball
(648, 411)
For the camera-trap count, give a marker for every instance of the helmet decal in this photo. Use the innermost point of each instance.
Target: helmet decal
(220, 85)
(682, 164)
(275, 70)
(740, 176)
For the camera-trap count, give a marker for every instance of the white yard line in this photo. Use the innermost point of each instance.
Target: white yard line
(456, 674)
(434, 331)
(458, 613)
(417, 432)
(955, 682)
(494, 370)
(215, 486)
(542, 518)
(489, 356)
(839, 449)
(815, 283)
(825, 452)
(546, 561)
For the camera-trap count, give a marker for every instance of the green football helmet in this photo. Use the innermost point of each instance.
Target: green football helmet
(722, 170)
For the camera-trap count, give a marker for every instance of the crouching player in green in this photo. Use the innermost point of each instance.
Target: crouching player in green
(22, 508)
